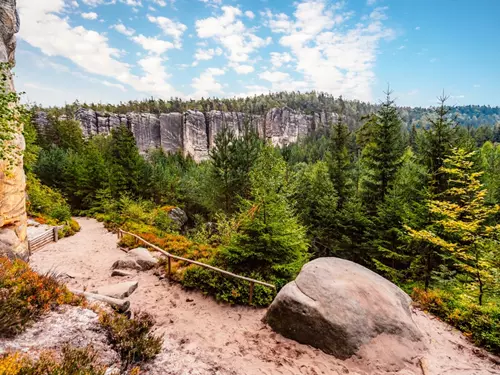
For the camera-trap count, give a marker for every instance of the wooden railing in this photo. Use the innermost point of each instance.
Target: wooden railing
(169, 256)
(52, 235)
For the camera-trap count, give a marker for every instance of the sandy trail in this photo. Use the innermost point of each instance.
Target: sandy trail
(205, 337)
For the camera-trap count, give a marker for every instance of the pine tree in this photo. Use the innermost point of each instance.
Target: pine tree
(339, 161)
(125, 163)
(270, 239)
(436, 143)
(382, 156)
(462, 217)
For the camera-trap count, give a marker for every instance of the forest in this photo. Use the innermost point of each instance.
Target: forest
(410, 193)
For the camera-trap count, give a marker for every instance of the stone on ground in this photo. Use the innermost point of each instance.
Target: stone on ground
(120, 291)
(339, 306)
(118, 272)
(178, 216)
(143, 257)
(126, 263)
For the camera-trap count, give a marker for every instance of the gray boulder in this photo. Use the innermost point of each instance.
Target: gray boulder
(178, 216)
(120, 291)
(144, 258)
(339, 306)
(127, 263)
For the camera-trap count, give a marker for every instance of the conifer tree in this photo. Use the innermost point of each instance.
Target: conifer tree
(382, 155)
(339, 161)
(462, 217)
(270, 239)
(125, 162)
(437, 141)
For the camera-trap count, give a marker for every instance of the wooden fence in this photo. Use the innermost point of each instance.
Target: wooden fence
(169, 256)
(52, 235)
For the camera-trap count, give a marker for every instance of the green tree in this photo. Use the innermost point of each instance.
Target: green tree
(463, 217)
(382, 155)
(126, 165)
(270, 239)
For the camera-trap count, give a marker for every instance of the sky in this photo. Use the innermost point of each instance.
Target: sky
(118, 50)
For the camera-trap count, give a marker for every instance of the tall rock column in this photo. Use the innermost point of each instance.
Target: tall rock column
(12, 180)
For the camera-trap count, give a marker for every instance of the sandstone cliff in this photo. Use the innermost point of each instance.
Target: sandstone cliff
(194, 132)
(13, 221)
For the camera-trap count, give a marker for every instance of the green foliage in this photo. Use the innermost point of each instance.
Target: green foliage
(382, 155)
(132, 338)
(270, 239)
(44, 201)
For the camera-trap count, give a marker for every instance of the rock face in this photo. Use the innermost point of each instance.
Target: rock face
(12, 182)
(194, 132)
(338, 306)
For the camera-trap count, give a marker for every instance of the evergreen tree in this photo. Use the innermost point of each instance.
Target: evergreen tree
(437, 141)
(125, 163)
(270, 239)
(463, 219)
(382, 155)
(316, 203)
(339, 161)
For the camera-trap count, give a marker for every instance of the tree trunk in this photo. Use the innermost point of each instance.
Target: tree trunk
(13, 219)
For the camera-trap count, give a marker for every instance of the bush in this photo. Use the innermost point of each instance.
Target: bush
(74, 361)
(479, 323)
(25, 295)
(69, 229)
(44, 201)
(132, 338)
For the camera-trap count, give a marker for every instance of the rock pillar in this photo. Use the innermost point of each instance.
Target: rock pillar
(13, 241)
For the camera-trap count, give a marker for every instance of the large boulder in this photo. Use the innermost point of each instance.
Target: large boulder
(144, 258)
(339, 306)
(178, 216)
(119, 291)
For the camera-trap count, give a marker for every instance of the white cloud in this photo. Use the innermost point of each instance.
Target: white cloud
(89, 16)
(433, 60)
(132, 3)
(417, 28)
(93, 3)
(171, 28)
(274, 77)
(74, 3)
(250, 14)
(43, 28)
(161, 3)
(278, 59)
(331, 56)
(121, 28)
(152, 44)
(116, 85)
(229, 31)
(242, 68)
(213, 3)
(152, 9)
(371, 2)
(206, 54)
(206, 85)
(401, 47)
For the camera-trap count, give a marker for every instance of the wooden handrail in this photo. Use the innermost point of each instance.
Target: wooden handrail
(167, 254)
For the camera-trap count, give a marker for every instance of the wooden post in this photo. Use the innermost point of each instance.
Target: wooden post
(169, 268)
(251, 293)
(118, 233)
(56, 233)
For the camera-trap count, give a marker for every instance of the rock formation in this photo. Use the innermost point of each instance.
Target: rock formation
(339, 306)
(13, 221)
(194, 132)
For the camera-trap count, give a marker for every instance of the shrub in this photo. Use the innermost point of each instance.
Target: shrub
(74, 361)
(25, 295)
(479, 323)
(44, 201)
(69, 229)
(132, 338)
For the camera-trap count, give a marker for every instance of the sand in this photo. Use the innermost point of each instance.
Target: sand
(206, 337)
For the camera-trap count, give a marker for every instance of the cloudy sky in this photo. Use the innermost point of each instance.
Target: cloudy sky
(117, 50)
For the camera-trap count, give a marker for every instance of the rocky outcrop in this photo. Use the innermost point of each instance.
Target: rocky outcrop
(339, 306)
(13, 220)
(194, 132)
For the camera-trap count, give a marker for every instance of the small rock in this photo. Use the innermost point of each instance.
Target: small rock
(126, 264)
(120, 291)
(189, 300)
(118, 272)
(144, 258)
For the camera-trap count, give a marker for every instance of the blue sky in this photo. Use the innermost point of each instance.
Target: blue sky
(117, 50)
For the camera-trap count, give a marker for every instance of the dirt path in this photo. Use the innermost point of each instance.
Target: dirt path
(205, 337)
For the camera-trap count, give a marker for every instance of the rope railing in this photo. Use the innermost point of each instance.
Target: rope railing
(171, 256)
